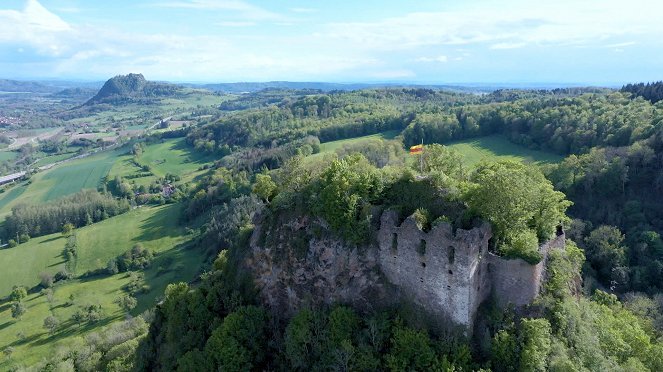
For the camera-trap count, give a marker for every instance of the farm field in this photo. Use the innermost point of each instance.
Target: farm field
(332, 146)
(60, 181)
(173, 156)
(53, 159)
(7, 155)
(497, 147)
(154, 227)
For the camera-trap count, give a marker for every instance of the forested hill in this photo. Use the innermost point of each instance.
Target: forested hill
(131, 88)
(652, 92)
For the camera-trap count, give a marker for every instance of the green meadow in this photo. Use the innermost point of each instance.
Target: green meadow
(499, 148)
(154, 227)
(473, 150)
(173, 156)
(59, 181)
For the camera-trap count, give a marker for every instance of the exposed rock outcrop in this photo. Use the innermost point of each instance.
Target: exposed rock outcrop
(446, 273)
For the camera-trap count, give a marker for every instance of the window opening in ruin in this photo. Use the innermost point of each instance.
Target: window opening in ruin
(422, 247)
(423, 264)
(451, 254)
(448, 287)
(451, 272)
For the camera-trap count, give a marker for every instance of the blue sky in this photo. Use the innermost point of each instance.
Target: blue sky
(512, 41)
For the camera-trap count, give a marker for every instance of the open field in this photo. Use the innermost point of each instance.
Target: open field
(334, 145)
(53, 159)
(497, 147)
(173, 156)
(330, 147)
(61, 180)
(7, 155)
(154, 227)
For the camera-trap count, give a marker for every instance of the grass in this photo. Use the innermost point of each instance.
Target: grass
(499, 148)
(154, 227)
(174, 156)
(52, 159)
(7, 155)
(62, 180)
(332, 146)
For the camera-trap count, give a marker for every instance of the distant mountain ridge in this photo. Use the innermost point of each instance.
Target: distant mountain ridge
(132, 88)
(252, 87)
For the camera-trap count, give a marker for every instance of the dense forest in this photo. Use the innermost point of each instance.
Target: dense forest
(613, 143)
(601, 306)
(652, 92)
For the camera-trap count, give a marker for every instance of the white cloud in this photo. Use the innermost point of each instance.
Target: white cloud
(236, 24)
(507, 45)
(304, 10)
(36, 26)
(506, 25)
(621, 45)
(243, 8)
(440, 59)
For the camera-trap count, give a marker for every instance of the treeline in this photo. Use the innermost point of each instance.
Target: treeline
(570, 121)
(652, 92)
(80, 209)
(332, 116)
(561, 125)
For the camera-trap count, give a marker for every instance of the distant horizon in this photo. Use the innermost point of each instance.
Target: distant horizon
(529, 84)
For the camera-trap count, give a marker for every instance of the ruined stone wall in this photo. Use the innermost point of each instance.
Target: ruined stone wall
(440, 271)
(517, 282)
(446, 273)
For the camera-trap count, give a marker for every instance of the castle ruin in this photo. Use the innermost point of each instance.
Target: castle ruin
(446, 273)
(450, 274)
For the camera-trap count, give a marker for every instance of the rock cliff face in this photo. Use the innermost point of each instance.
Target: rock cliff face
(446, 273)
(296, 268)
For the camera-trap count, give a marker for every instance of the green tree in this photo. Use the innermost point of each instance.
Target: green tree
(514, 198)
(51, 323)
(439, 158)
(264, 187)
(504, 352)
(535, 344)
(18, 309)
(299, 339)
(345, 188)
(411, 350)
(239, 343)
(606, 252)
(18, 294)
(126, 302)
(67, 229)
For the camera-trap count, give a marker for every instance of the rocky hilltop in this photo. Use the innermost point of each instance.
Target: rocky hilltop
(445, 273)
(131, 88)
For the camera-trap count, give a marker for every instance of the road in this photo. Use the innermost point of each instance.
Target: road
(159, 122)
(15, 176)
